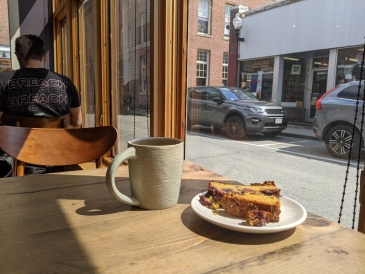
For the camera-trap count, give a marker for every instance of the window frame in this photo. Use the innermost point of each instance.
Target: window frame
(225, 68)
(202, 62)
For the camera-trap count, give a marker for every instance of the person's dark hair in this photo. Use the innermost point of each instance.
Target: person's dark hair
(30, 46)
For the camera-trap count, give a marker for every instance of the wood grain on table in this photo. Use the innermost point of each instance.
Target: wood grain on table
(69, 223)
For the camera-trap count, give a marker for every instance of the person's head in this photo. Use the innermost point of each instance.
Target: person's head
(29, 48)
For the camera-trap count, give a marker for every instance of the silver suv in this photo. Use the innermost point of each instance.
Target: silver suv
(334, 119)
(234, 109)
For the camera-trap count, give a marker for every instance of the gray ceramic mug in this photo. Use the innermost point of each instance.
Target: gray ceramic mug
(155, 170)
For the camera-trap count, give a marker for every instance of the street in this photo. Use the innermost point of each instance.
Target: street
(303, 169)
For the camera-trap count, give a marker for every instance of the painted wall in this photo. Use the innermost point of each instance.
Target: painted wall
(303, 26)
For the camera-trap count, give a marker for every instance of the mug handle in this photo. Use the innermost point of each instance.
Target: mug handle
(129, 153)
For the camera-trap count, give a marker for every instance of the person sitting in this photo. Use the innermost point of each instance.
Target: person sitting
(33, 90)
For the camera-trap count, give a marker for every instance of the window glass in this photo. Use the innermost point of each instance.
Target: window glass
(213, 93)
(237, 94)
(225, 69)
(202, 68)
(321, 62)
(88, 13)
(203, 16)
(227, 18)
(351, 92)
(347, 58)
(133, 71)
(294, 76)
(257, 77)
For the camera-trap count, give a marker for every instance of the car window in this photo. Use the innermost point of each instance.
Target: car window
(212, 93)
(351, 92)
(237, 94)
(198, 94)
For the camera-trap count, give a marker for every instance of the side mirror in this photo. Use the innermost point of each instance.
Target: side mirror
(217, 100)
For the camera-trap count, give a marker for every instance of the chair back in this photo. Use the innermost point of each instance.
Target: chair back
(37, 122)
(57, 147)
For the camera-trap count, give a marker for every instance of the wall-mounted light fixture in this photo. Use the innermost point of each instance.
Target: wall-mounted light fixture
(237, 23)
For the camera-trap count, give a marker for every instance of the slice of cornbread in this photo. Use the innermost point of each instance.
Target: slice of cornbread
(258, 217)
(239, 205)
(217, 189)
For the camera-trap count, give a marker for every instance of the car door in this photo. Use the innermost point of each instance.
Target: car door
(195, 103)
(212, 112)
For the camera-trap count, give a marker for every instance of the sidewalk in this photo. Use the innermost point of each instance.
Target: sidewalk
(302, 131)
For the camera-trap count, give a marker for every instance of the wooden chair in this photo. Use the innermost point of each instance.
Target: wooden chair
(34, 122)
(57, 147)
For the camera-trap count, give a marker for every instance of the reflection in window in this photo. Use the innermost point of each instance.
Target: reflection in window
(88, 9)
(204, 16)
(227, 19)
(143, 28)
(202, 68)
(346, 60)
(133, 71)
(143, 74)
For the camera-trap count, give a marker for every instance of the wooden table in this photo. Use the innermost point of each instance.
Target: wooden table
(69, 223)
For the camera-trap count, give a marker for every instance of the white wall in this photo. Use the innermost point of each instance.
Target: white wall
(303, 26)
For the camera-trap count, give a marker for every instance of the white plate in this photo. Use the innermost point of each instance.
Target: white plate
(292, 214)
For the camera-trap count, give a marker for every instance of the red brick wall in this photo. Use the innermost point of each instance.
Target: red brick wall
(4, 23)
(216, 44)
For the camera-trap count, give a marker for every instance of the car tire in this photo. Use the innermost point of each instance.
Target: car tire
(235, 128)
(271, 134)
(338, 141)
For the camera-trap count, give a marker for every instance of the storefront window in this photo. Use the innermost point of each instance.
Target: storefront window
(257, 76)
(346, 64)
(293, 81)
(321, 62)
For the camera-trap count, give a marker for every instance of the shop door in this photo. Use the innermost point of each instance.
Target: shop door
(319, 87)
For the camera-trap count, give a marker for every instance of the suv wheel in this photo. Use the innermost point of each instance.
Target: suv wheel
(338, 141)
(235, 128)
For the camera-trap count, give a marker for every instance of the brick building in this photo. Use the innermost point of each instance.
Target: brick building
(4, 35)
(209, 39)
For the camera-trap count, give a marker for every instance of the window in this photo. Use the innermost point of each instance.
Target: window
(143, 28)
(227, 19)
(351, 92)
(346, 61)
(202, 68)
(204, 16)
(225, 69)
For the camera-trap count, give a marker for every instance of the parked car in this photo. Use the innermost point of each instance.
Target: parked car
(234, 109)
(334, 119)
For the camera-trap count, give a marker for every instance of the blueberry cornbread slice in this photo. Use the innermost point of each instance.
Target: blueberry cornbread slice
(239, 205)
(258, 217)
(216, 190)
